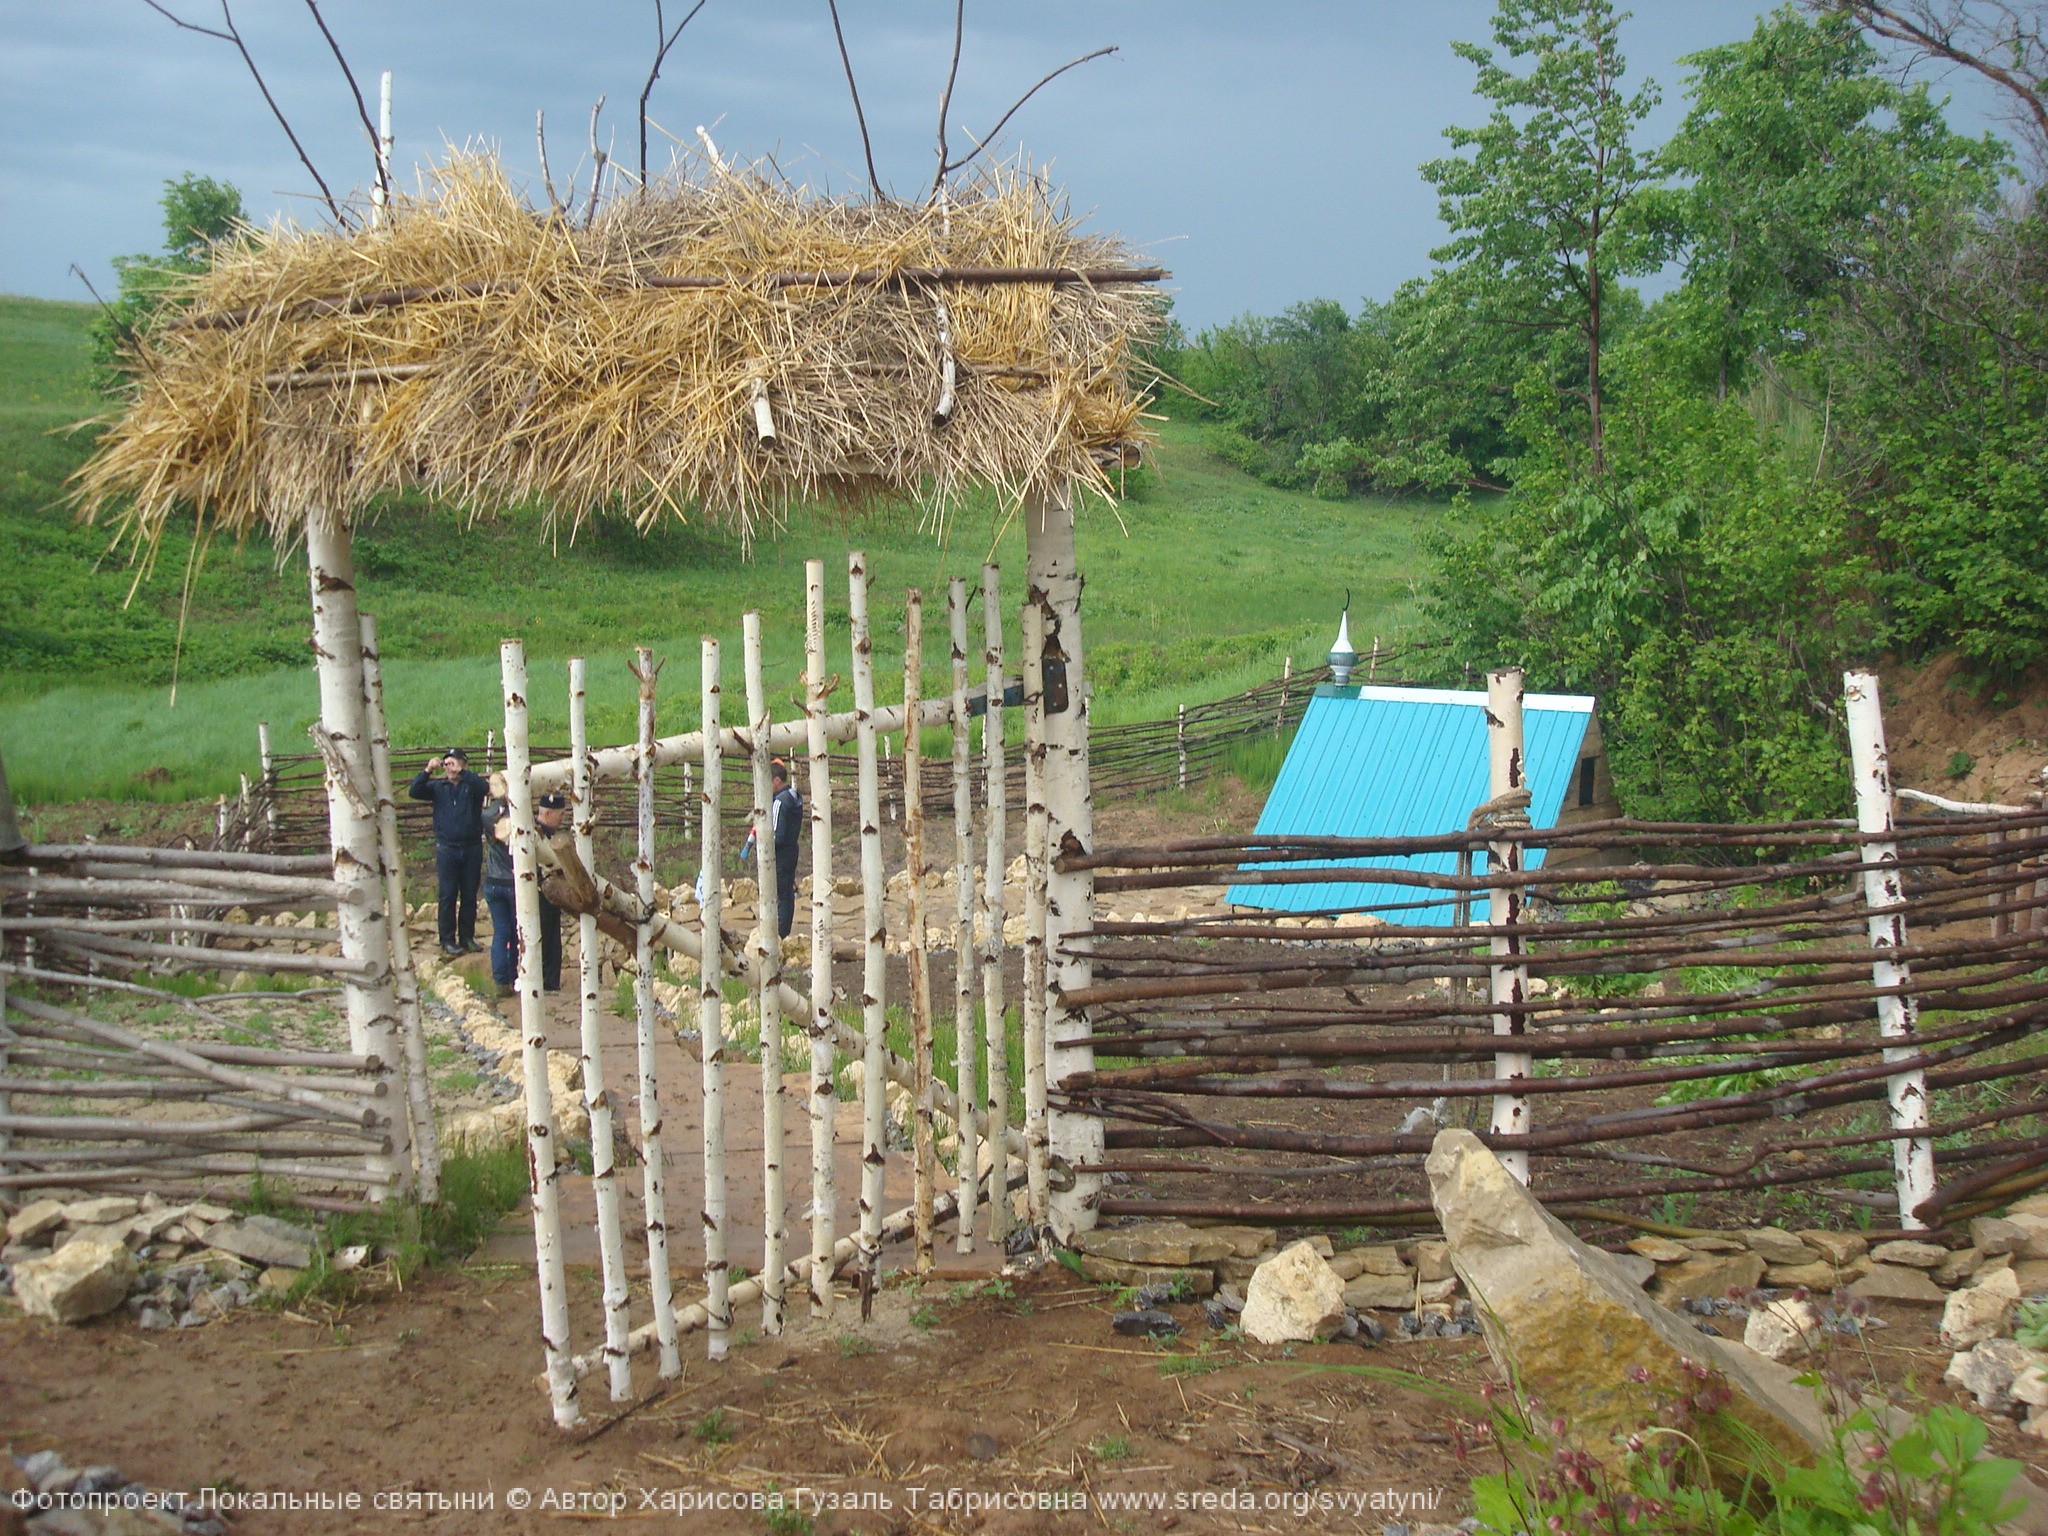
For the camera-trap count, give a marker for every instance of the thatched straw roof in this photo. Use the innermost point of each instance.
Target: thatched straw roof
(490, 355)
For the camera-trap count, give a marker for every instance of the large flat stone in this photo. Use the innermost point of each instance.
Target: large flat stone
(1195, 1282)
(263, 1240)
(1577, 1334)
(1170, 1243)
(1779, 1246)
(77, 1283)
(1391, 1293)
(37, 1219)
(1711, 1275)
(1892, 1282)
(1838, 1248)
(99, 1211)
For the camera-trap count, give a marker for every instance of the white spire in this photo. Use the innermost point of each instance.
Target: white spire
(1343, 632)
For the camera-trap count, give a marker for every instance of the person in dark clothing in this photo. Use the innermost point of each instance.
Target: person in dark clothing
(497, 824)
(550, 815)
(786, 820)
(457, 796)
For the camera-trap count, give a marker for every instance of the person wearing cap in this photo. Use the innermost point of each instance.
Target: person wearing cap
(786, 824)
(550, 815)
(457, 796)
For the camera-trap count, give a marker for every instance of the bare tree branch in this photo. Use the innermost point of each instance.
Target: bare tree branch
(946, 96)
(1958, 32)
(598, 158)
(664, 40)
(547, 177)
(946, 170)
(866, 144)
(233, 35)
(362, 109)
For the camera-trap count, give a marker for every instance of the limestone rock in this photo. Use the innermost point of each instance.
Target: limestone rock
(1959, 1266)
(1909, 1253)
(1390, 1293)
(1564, 1321)
(80, 1282)
(1660, 1250)
(99, 1212)
(1838, 1248)
(1980, 1312)
(2033, 1276)
(1987, 1372)
(36, 1219)
(1294, 1296)
(1711, 1243)
(1245, 1242)
(1376, 1259)
(2033, 1242)
(1635, 1266)
(263, 1240)
(1192, 1282)
(1891, 1282)
(1817, 1276)
(1707, 1274)
(1784, 1330)
(1779, 1246)
(1433, 1261)
(1994, 1235)
(1158, 1243)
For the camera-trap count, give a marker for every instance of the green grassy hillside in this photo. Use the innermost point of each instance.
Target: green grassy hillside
(1199, 584)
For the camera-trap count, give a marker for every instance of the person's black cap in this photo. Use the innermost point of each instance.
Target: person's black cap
(457, 753)
(553, 802)
(778, 768)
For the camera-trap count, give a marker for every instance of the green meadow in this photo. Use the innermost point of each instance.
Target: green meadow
(1198, 584)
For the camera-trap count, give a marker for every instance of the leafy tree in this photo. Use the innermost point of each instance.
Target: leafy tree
(199, 214)
(1539, 207)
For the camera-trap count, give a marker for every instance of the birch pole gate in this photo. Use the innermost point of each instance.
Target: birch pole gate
(754, 958)
(1506, 774)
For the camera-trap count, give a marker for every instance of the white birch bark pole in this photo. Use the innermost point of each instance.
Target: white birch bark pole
(1505, 771)
(965, 1044)
(374, 1028)
(824, 1102)
(767, 988)
(604, 1176)
(268, 764)
(924, 1160)
(710, 1023)
(995, 798)
(1054, 579)
(426, 1146)
(540, 1144)
(874, 929)
(1038, 1189)
(1884, 897)
(654, 1152)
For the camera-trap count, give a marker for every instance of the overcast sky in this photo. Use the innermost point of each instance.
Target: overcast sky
(1265, 150)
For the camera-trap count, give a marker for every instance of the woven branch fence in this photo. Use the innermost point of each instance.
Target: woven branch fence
(1715, 1024)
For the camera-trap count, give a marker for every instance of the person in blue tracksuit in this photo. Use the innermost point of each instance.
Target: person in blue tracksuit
(457, 796)
(786, 821)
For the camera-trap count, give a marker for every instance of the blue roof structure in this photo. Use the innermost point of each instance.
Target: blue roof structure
(1405, 762)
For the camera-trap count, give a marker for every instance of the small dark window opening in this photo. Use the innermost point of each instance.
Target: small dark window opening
(1586, 779)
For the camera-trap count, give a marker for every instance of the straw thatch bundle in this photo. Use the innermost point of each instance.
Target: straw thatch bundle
(489, 354)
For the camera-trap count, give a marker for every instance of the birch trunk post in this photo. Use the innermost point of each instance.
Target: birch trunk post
(768, 991)
(1884, 898)
(426, 1146)
(268, 764)
(874, 929)
(710, 1024)
(924, 1166)
(823, 1101)
(965, 1103)
(1054, 579)
(374, 1027)
(1505, 772)
(540, 1143)
(995, 797)
(653, 1151)
(1036, 1143)
(1286, 682)
(604, 1180)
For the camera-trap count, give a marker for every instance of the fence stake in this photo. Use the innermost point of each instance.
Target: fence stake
(426, 1147)
(268, 765)
(710, 1026)
(604, 1185)
(1286, 682)
(817, 704)
(654, 1152)
(1884, 897)
(874, 929)
(1180, 743)
(995, 795)
(1036, 1141)
(968, 1165)
(540, 1144)
(1504, 772)
(924, 1163)
(767, 984)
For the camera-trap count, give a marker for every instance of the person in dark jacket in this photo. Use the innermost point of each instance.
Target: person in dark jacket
(786, 820)
(550, 815)
(497, 824)
(457, 796)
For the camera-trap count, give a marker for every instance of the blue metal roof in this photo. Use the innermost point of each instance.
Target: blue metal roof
(1405, 762)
